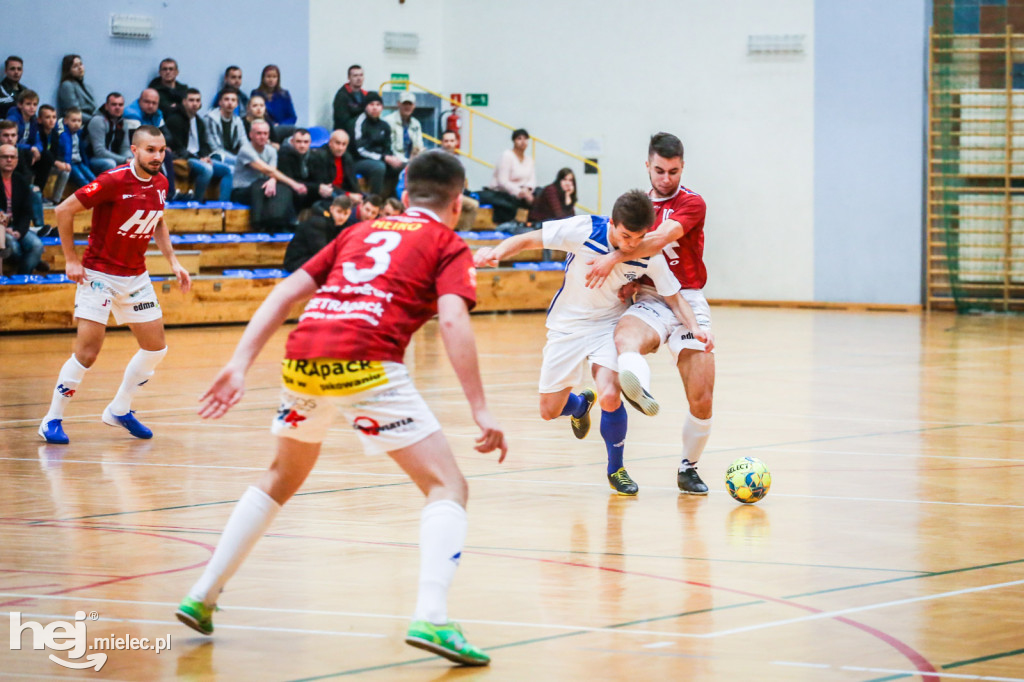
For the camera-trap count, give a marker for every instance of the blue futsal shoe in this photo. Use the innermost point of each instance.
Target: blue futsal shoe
(52, 432)
(128, 421)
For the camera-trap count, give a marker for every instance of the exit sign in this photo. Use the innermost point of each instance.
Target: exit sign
(399, 77)
(476, 99)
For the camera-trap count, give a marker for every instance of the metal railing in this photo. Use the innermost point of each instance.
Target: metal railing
(534, 141)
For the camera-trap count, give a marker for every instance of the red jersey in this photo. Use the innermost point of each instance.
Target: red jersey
(379, 282)
(686, 255)
(125, 213)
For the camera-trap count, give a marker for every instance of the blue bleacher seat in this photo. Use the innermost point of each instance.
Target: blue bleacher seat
(265, 273)
(238, 274)
(318, 136)
(550, 265)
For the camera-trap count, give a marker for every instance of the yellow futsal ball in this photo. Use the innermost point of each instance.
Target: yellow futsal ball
(748, 480)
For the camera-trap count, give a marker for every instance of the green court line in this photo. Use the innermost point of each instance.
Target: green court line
(957, 664)
(524, 642)
(926, 574)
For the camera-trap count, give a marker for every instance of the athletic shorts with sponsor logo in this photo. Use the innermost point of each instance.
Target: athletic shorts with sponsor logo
(131, 299)
(652, 309)
(377, 398)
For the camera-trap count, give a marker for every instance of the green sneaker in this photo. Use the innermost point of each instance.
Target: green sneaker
(622, 483)
(445, 640)
(581, 425)
(196, 615)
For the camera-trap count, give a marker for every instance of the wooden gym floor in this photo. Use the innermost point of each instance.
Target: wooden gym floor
(889, 547)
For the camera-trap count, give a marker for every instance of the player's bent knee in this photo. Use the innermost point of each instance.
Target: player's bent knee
(609, 401)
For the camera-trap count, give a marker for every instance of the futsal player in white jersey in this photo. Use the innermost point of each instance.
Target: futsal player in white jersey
(581, 321)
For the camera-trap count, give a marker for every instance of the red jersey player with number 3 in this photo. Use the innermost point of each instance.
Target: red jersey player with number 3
(679, 233)
(371, 288)
(127, 205)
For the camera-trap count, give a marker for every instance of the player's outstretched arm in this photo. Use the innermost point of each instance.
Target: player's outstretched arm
(684, 313)
(652, 244)
(65, 213)
(229, 385)
(162, 237)
(460, 344)
(489, 257)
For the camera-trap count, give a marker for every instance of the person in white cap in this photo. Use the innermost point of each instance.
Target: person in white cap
(406, 131)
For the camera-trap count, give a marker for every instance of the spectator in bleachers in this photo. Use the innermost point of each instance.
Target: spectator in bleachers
(11, 85)
(172, 93)
(336, 167)
(280, 110)
(9, 135)
(49, 136)
(74, 91)
(513, 181)
(260, 185)
(189, 142)
(296, 161)
(255, 111)
(375, 159)
(146, 110)
(406, 130)
(450, 143)
(22, 243)
(367, 209)
(24, 117)
(73, 152)
(557, 201)
(109, 144)
(349, 101)
(314, 234)
(232, 79)
(224, 127)
(392, 206)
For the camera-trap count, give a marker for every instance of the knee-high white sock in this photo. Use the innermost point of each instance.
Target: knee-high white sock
(442, 535)
(71, 374)
(635, 363)
(252, 516)
(695, 437)
(138, 372)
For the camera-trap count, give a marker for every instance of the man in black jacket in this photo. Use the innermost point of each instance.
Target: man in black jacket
(15, 212)
(297, 162)
(349, 101)
(316, 233)
(189, 143)
(374, 155)
(172, 93)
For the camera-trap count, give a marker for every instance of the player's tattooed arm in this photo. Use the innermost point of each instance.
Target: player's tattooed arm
(684, 313)
(653, 242)
(489, 257)
(162, 237)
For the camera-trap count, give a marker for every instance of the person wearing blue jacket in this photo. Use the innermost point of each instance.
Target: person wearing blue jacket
(280, 110)
(73, 149)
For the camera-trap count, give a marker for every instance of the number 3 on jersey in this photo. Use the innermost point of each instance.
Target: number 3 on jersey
(381, 255)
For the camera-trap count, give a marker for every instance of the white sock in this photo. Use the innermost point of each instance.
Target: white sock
(635, 363)
(138, 372)
(252, 516)
(442, 535)
(71, 374)
(695, 436)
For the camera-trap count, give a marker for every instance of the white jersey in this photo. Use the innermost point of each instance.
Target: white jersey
(575, 307)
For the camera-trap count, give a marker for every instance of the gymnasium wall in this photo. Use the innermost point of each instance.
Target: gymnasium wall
(204, 37)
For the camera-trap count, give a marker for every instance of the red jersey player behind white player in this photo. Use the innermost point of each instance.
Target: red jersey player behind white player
(127, 205)
(679, 232)
(374, 285)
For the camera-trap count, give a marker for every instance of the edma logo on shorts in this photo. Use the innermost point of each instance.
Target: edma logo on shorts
(329, 376)
(371, 427)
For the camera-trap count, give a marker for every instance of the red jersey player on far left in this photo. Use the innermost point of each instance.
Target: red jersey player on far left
(128, 209)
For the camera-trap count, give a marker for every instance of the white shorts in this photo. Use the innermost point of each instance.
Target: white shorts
(132, 299)
(377, 398)
(564, 354)
(652, 309)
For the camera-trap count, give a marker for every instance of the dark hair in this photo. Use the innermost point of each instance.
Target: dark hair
(665, 145)
(434, 179)
(152, 131)
(395, 203)
(112, 94)
(193, 91)
(8, 123)
(558, 182)
(304, 131)
(231, 68)
(27, 94)
(344, 202)
(354, 66)
(228, 90)
(634, 211)
(169, 59)
(71, 110)
(520, 132)
(263, 75)
(13, 58)
(65, 67)
(47, 107)
(373, 200)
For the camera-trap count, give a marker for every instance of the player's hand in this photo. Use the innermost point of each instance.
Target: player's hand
(627, 291)
(486, 257)
(184, 280)
(75, 271)
(270, 187)
(225, 392)
(600, 268)
(707, 338)
(491, 436)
